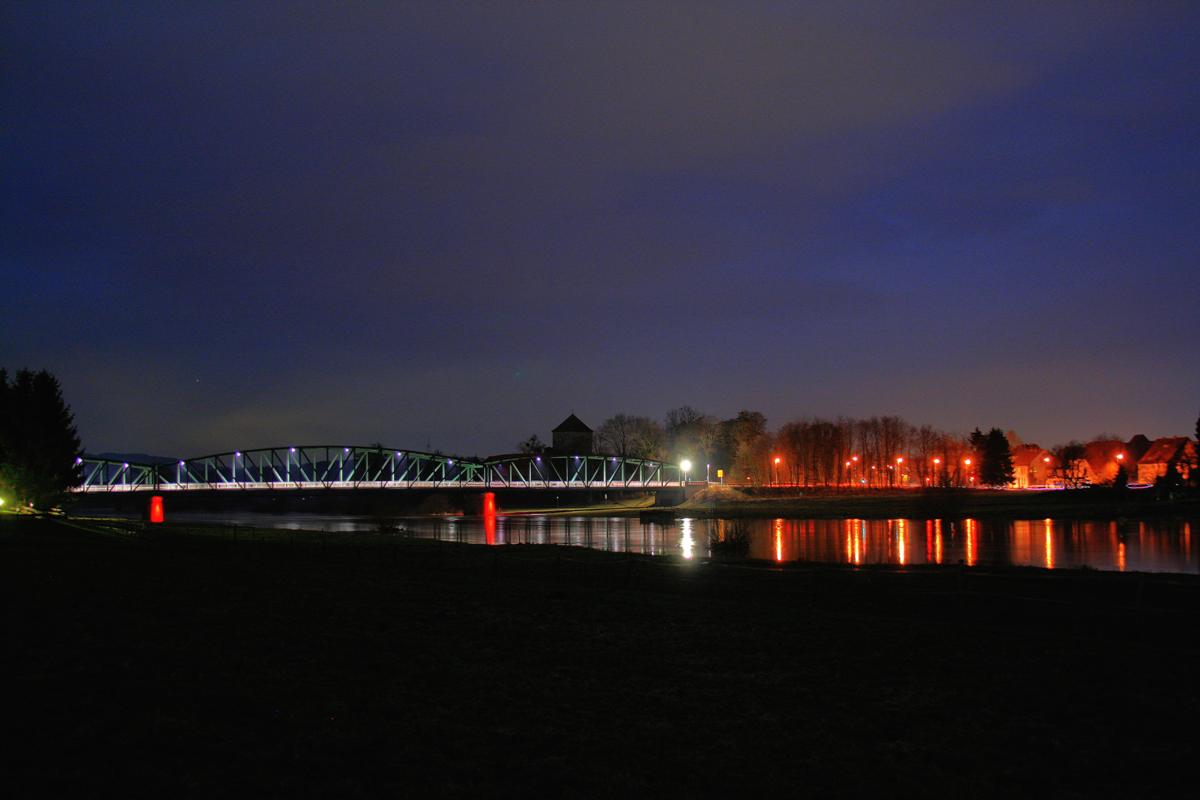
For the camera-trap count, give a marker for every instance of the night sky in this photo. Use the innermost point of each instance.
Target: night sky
(242, 224)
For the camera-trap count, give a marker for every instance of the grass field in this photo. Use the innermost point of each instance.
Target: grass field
(185, 662)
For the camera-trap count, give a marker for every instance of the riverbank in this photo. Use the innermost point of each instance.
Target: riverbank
(1100, 503)
(180, 661)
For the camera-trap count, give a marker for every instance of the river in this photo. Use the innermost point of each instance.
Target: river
(1137, 545)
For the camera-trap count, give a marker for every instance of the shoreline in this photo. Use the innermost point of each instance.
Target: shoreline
(1094, 504)
(235, 535)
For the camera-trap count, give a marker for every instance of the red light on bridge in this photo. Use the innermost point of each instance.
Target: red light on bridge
(156, 509)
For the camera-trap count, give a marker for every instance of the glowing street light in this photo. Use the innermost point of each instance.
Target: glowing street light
(685, 466)
(777, 460)
(1120, 456)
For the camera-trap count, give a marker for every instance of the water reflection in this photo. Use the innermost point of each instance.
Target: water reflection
(687, 540)
(1156, 545)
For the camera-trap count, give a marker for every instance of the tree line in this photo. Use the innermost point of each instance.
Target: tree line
(813, 451)
(39, 445)
(879, 451)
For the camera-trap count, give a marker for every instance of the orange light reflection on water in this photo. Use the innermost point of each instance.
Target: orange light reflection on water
(779, 541)
(972, 541)
(856, 544)
(901, 545)
(1049, 536)
(937, 541)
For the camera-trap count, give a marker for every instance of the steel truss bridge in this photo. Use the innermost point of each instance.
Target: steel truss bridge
(335, 467)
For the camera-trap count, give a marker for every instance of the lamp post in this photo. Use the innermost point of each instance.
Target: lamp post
(685, 466)
(777, 470)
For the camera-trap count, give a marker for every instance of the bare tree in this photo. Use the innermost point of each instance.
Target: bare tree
(1069, 464)
(532, 446)
(631, 437)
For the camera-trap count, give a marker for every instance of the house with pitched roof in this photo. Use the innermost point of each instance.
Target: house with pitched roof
(1031, 466)
(1170, 451)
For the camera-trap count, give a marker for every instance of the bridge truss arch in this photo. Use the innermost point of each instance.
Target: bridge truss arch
(356, 467)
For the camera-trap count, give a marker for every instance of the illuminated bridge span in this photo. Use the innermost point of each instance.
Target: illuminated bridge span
(327, 467)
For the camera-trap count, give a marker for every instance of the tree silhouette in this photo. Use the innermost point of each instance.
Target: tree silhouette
(1068, 461)
(38, 441)
(996, 468)
(1195, 474)
(532, 446)
(1121, 479)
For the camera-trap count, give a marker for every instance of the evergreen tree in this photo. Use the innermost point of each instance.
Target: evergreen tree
(38, 441)
(996, 467)
(1196, 464)
(1121, 479)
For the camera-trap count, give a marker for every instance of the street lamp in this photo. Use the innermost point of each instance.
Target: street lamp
(685, 466)
(777, 459)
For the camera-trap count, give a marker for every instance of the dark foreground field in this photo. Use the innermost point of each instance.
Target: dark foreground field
(188, 663)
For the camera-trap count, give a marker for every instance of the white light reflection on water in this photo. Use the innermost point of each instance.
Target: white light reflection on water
(687, 541)
(1138, 545)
